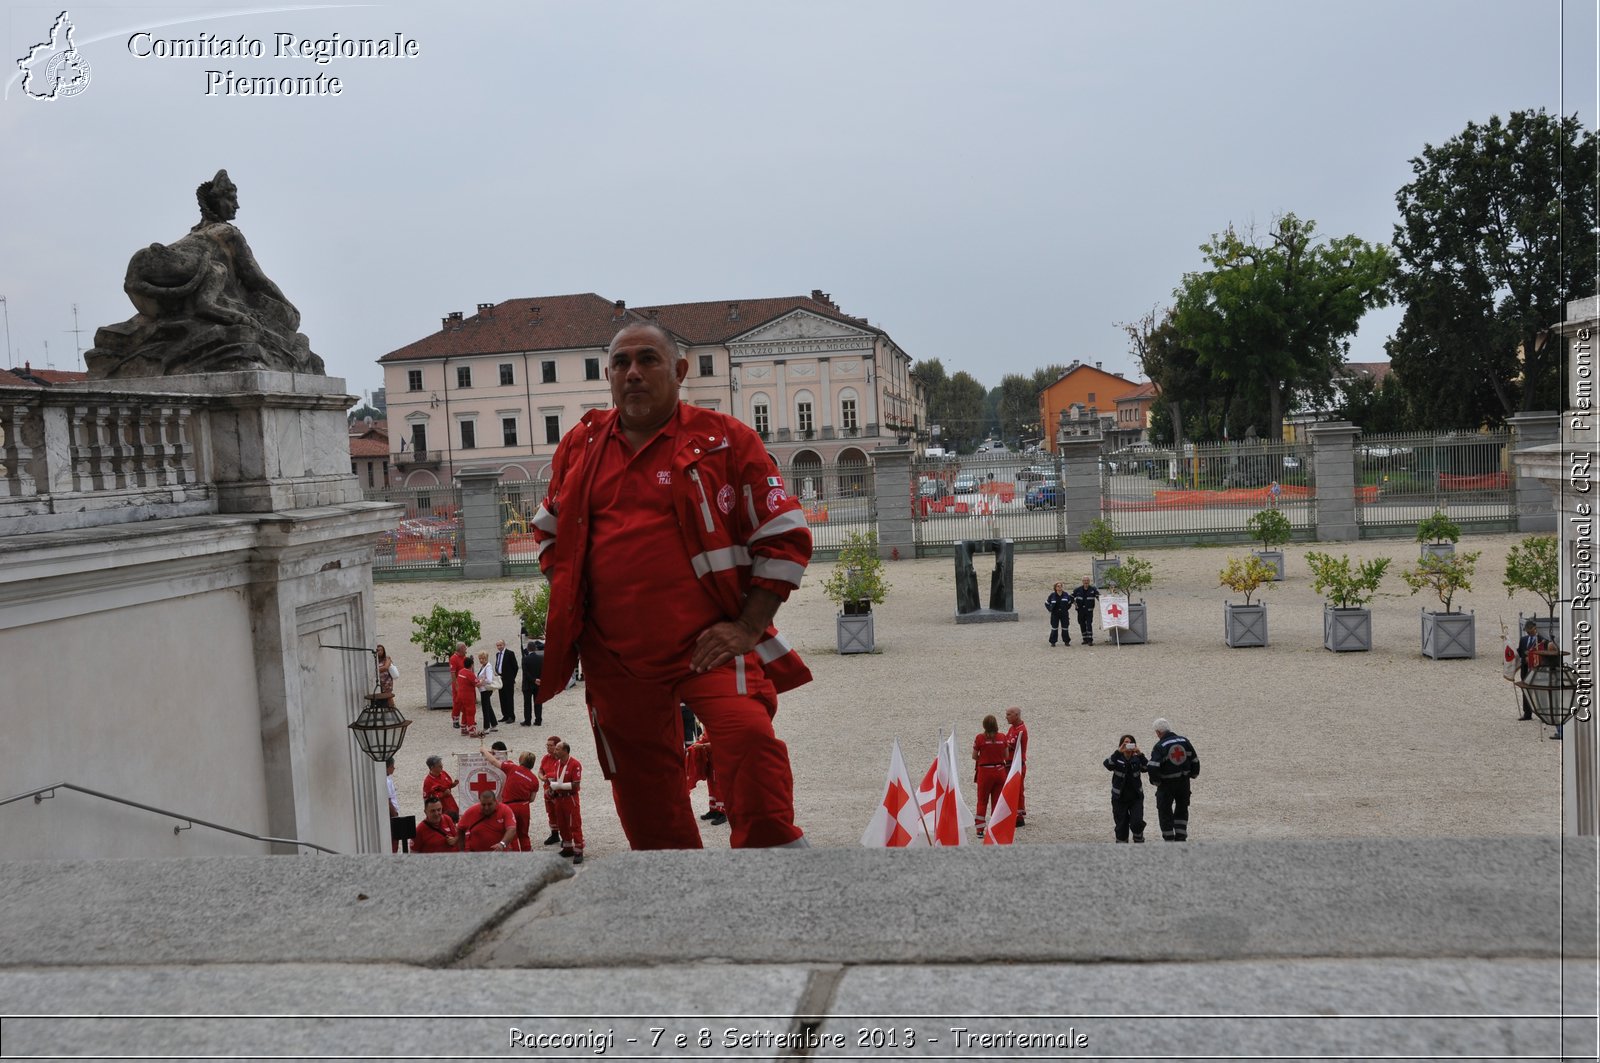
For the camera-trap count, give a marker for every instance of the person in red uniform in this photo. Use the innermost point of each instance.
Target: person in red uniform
(1017, 739)
(488, 826)
(564, 794)
(989, 750)
(437, 831)
(464, 698)
(438, 783)
(455, 666)
(547, 771)
(697, 765)
(520, 786)
(670, 544)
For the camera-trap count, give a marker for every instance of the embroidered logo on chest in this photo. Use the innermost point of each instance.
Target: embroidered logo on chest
(664, 477)
(725, 498)
(775, 499)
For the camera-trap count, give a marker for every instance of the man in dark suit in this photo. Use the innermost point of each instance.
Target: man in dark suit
(532, 668)
(505, 666)
(1528, 641)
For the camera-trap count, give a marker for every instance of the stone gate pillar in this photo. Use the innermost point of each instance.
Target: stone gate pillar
(892, 501)
(1536, 512)
(1333, 470)
(482, 528)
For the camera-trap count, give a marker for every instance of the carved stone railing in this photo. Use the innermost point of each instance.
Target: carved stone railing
(89, 454)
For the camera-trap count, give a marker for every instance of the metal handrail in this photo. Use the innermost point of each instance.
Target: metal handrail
(44, 793)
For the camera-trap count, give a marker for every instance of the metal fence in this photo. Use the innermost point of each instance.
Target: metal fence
(838, 499)
(1151, 495)
(516, 501)
(426, 540)
(1402, 478)
(985, 496)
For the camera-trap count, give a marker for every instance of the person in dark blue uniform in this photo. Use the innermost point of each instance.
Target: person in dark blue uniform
(1173, 762)
(1126, 765)
(1085, 597)
(1059, 605)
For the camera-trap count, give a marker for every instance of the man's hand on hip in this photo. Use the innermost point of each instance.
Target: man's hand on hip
(721, 643)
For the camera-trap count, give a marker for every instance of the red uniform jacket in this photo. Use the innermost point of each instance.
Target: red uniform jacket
(485, 832)
(1017, 739)
(571, 772)
(442, 787)
(431, 839)
(993, 754)
(520, 782)
(740, 530)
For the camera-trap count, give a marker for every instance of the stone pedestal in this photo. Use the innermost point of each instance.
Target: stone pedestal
(1333, 467)
(481, 524)
(892, 501)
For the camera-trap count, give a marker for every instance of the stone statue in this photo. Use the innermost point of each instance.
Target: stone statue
(1002, 605)
(204, 305)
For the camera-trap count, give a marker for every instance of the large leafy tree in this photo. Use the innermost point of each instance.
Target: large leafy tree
(1496, 233)
(956, 403)
(1273, 316)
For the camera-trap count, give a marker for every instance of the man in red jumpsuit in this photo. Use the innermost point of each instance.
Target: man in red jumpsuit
(456, 659)
(1017, 739)
(563, 788)
(464, 697)
(520, 786)
(438, 783)
(670, 543)
(697, 765)
(488, 826)
(547, 771)
(437, 831)
(989, 750)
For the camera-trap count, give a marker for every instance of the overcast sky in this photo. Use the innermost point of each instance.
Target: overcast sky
(997, 184)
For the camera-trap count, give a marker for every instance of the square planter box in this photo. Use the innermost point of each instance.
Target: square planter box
(1548, 627)
(1098, 573)
(1449, 636)
(1273, 558)
(855, 634)
(1244, 625)
(1438, 550)
(1346, 630)
(1137, 633)
(437, 679)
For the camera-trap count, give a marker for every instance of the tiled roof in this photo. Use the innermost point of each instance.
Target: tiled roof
(1146, 390)
(369, 446)
(1376, 370)
(568, 322)
(1086, 365)
(9, 379)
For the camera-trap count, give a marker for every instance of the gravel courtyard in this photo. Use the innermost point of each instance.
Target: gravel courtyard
(1294, 741)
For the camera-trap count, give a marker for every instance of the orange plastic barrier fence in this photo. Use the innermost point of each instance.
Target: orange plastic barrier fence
(1491, 481)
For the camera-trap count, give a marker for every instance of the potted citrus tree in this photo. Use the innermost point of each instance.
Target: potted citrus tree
(1128, 578)
(1533, 566)
(1271, 527)
(437, 633)
(857, 584)
(1438, 535)
(1446, 634)
(1245, 625)
(1100, 538)
(1346, 620)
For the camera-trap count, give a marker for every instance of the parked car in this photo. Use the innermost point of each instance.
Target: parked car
(1035, 472)
(930, 488)
(1046, 495)
(966, 483)
(1291, 462)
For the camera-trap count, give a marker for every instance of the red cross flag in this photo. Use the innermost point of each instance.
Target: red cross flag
(945, 815)
(474, 774)
(1510, 669)
(897, 821)
(1114, 611)
(1003, 820)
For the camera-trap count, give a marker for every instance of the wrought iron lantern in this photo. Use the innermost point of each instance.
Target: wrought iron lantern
(380, 729)
(1551, 687)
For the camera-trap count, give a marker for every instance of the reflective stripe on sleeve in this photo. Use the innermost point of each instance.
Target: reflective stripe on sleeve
(750, 506)
(774, 568)
(771, 649)
(783, 522)
(720, 560)
(738, 676)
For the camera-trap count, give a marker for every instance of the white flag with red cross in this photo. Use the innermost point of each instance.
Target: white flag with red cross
(945, 815)
(1003, 820)
(1114, 611)
(897, 821)
(474, 774)
(1510, 669)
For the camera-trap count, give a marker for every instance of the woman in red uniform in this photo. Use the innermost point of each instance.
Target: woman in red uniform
(438, 784)
(989, 749)
(464, 698)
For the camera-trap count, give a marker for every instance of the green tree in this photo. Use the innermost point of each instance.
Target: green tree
(1495, 235)
(1274, 316)
(1018, 405)
(963, 409)
(1376, 407)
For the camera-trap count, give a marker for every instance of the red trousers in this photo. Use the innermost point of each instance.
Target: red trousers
(569, 821)
(639, 740)
(550, 812)
(990, 780)
(520, 810)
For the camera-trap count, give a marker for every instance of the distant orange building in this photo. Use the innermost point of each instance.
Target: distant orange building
(1088, 385)
(1133, 414)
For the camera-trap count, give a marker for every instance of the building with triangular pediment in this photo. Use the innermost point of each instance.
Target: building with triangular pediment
(498, 389)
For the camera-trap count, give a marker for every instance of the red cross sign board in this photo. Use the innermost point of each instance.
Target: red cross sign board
(1114, 611)
(474, 774)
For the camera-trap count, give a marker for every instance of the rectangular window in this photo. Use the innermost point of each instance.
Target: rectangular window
(591, 369)
(552, 428)
(804, 417)
(469, 435)
(1091, 396)
(847, 414)
(372, 473)
(762, 418)
(706, 366)
(507, 376)
(463, 376)
(548, 371)
(419, 440)
(413, 380)
(508, 430)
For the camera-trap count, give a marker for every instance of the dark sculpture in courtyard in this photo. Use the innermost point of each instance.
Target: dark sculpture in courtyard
(204, 305)
(969, 606)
